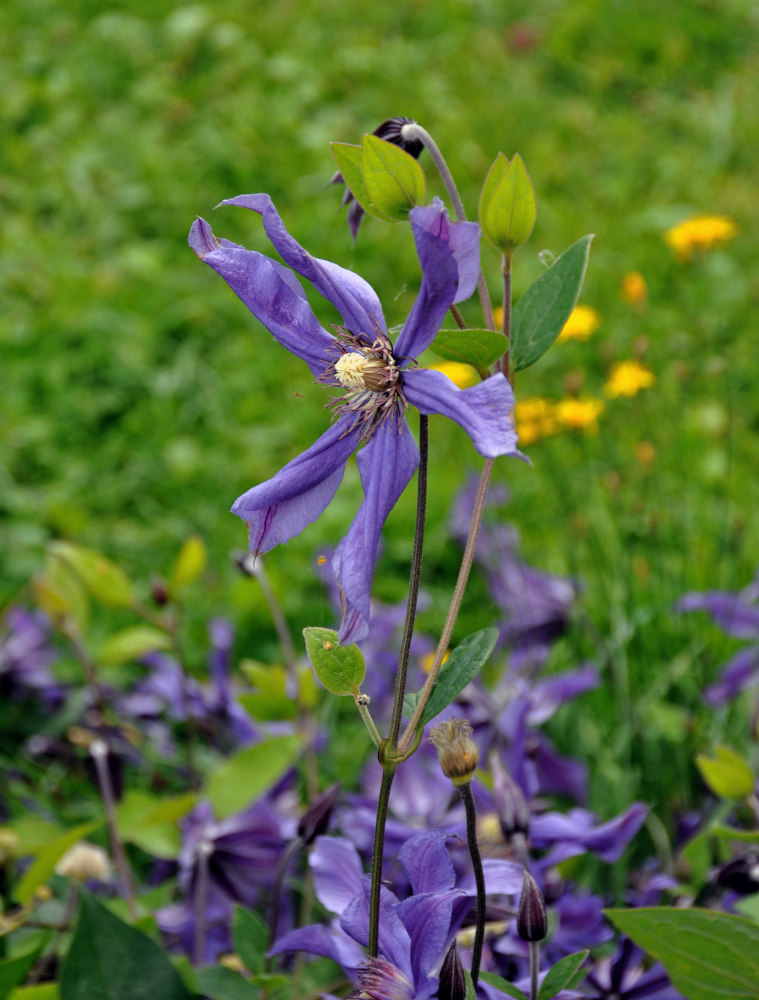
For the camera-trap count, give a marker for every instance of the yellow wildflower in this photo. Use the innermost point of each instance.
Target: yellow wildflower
(581, 324)
(535, 418)
(634, 289)
(461, 375)
(426, 661)
(498, 317)
(580, 414)
(627, 378)
(700, 233)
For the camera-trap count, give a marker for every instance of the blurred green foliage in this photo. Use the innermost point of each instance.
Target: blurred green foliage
(140, 397)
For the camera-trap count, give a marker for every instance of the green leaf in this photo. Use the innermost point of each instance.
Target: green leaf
(13, 970)
(478, 348)
(132, 643)
(105, 581)
(727, 773)
(251, 938)
(152, 823)
(341, 669)
(507, 204)
(221, 983)
(503, 985)
(48, 857)
(562, 975)
(348, 160)
(464, 663)
(59, 593)
(707, 954)
(109, 960)
(249, 772)
(189, 565)
(43, 991)
(471, 992)
(731, 833)
(394, 180)
(270, 981)
(543, 310)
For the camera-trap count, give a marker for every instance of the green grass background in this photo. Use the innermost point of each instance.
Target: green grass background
(139, 397)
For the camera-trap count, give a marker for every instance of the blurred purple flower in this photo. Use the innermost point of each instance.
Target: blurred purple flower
(377, 381)
(414, 933)
(26, 655)
(624, 977)
(738, 615)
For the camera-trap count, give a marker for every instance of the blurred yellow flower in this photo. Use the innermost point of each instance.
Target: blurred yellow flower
(498, 317)
(461, 375)
(634, 289)
(582, 323)
(580, 414)
(535, 419)
(427, 659)
(699, 233)
(627, 378)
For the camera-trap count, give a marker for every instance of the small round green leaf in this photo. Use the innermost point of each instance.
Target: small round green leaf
(348, 160)
(341, 669)
(507, 204)
(478, 348)
(394, 180)
(727, 773)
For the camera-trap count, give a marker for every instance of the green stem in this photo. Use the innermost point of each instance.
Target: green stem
(99, 752)
(388, 773)
(415, 131)
(505, 364)
(453, 610)
(479, 878)
(416, 573)
(534, 968)
(366, 715)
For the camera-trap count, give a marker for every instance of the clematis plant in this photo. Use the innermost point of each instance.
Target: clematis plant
(376, 381)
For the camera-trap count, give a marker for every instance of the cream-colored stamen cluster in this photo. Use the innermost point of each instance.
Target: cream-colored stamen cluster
(357, 372)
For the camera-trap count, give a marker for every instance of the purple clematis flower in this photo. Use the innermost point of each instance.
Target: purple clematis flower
(738, 615)
(377, 381)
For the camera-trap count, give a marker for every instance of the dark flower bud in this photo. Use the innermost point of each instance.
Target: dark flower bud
(452, 980)
(456, 750)
(741, 875)
(391, 131)
(513, 810)
(532, 920)
(159, 591)
(315, 820)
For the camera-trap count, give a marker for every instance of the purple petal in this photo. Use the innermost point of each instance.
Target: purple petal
(484, 410)
(281, 507)
(270, 291)
(394, 940)
(608, 840)
(740, 673)
(427, 862)
(353, 297)
(449, 253)
(386, 465)
(728, 610)
(550, 694)
(427, 918)
(502, 878)
(329, 942)
(337, 872)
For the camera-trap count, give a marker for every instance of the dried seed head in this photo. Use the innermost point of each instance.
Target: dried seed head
(456, 750)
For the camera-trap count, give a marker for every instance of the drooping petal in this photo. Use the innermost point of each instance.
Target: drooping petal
(427, 862)
(484, 410)
(337, 872)
(739, 673)
(329, 942)
(730, 611)
(281, 507)
(271, 292)
(450, 257)
(354, 298)
(386, 465)
(394, 940)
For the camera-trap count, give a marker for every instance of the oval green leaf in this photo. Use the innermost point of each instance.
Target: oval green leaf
(707, 954)
(249, 773)
(132, 643)
(507, 204)
(105, 581)
(498, 983)
(189, 565)
(566, 974)
(48, 857)
(348, 160)
(341, 669)
(727, 773)
(464, 663)
(542, 311)
(478, 348)
(394, 180)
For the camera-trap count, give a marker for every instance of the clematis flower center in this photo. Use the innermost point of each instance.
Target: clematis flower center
(357, 372)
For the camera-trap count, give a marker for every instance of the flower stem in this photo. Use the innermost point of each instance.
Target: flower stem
(415, 131)
(479, 878)
(99, 753)
(388, 773)
(534, 968)
(416, 572)
(453, 610)
(366, 715)
(505, 365)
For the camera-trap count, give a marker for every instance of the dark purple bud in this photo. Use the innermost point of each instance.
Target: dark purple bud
(315, 820)
(452, 980)
(513, 810)
(741, 874)
(532, 920)
(159, 591)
